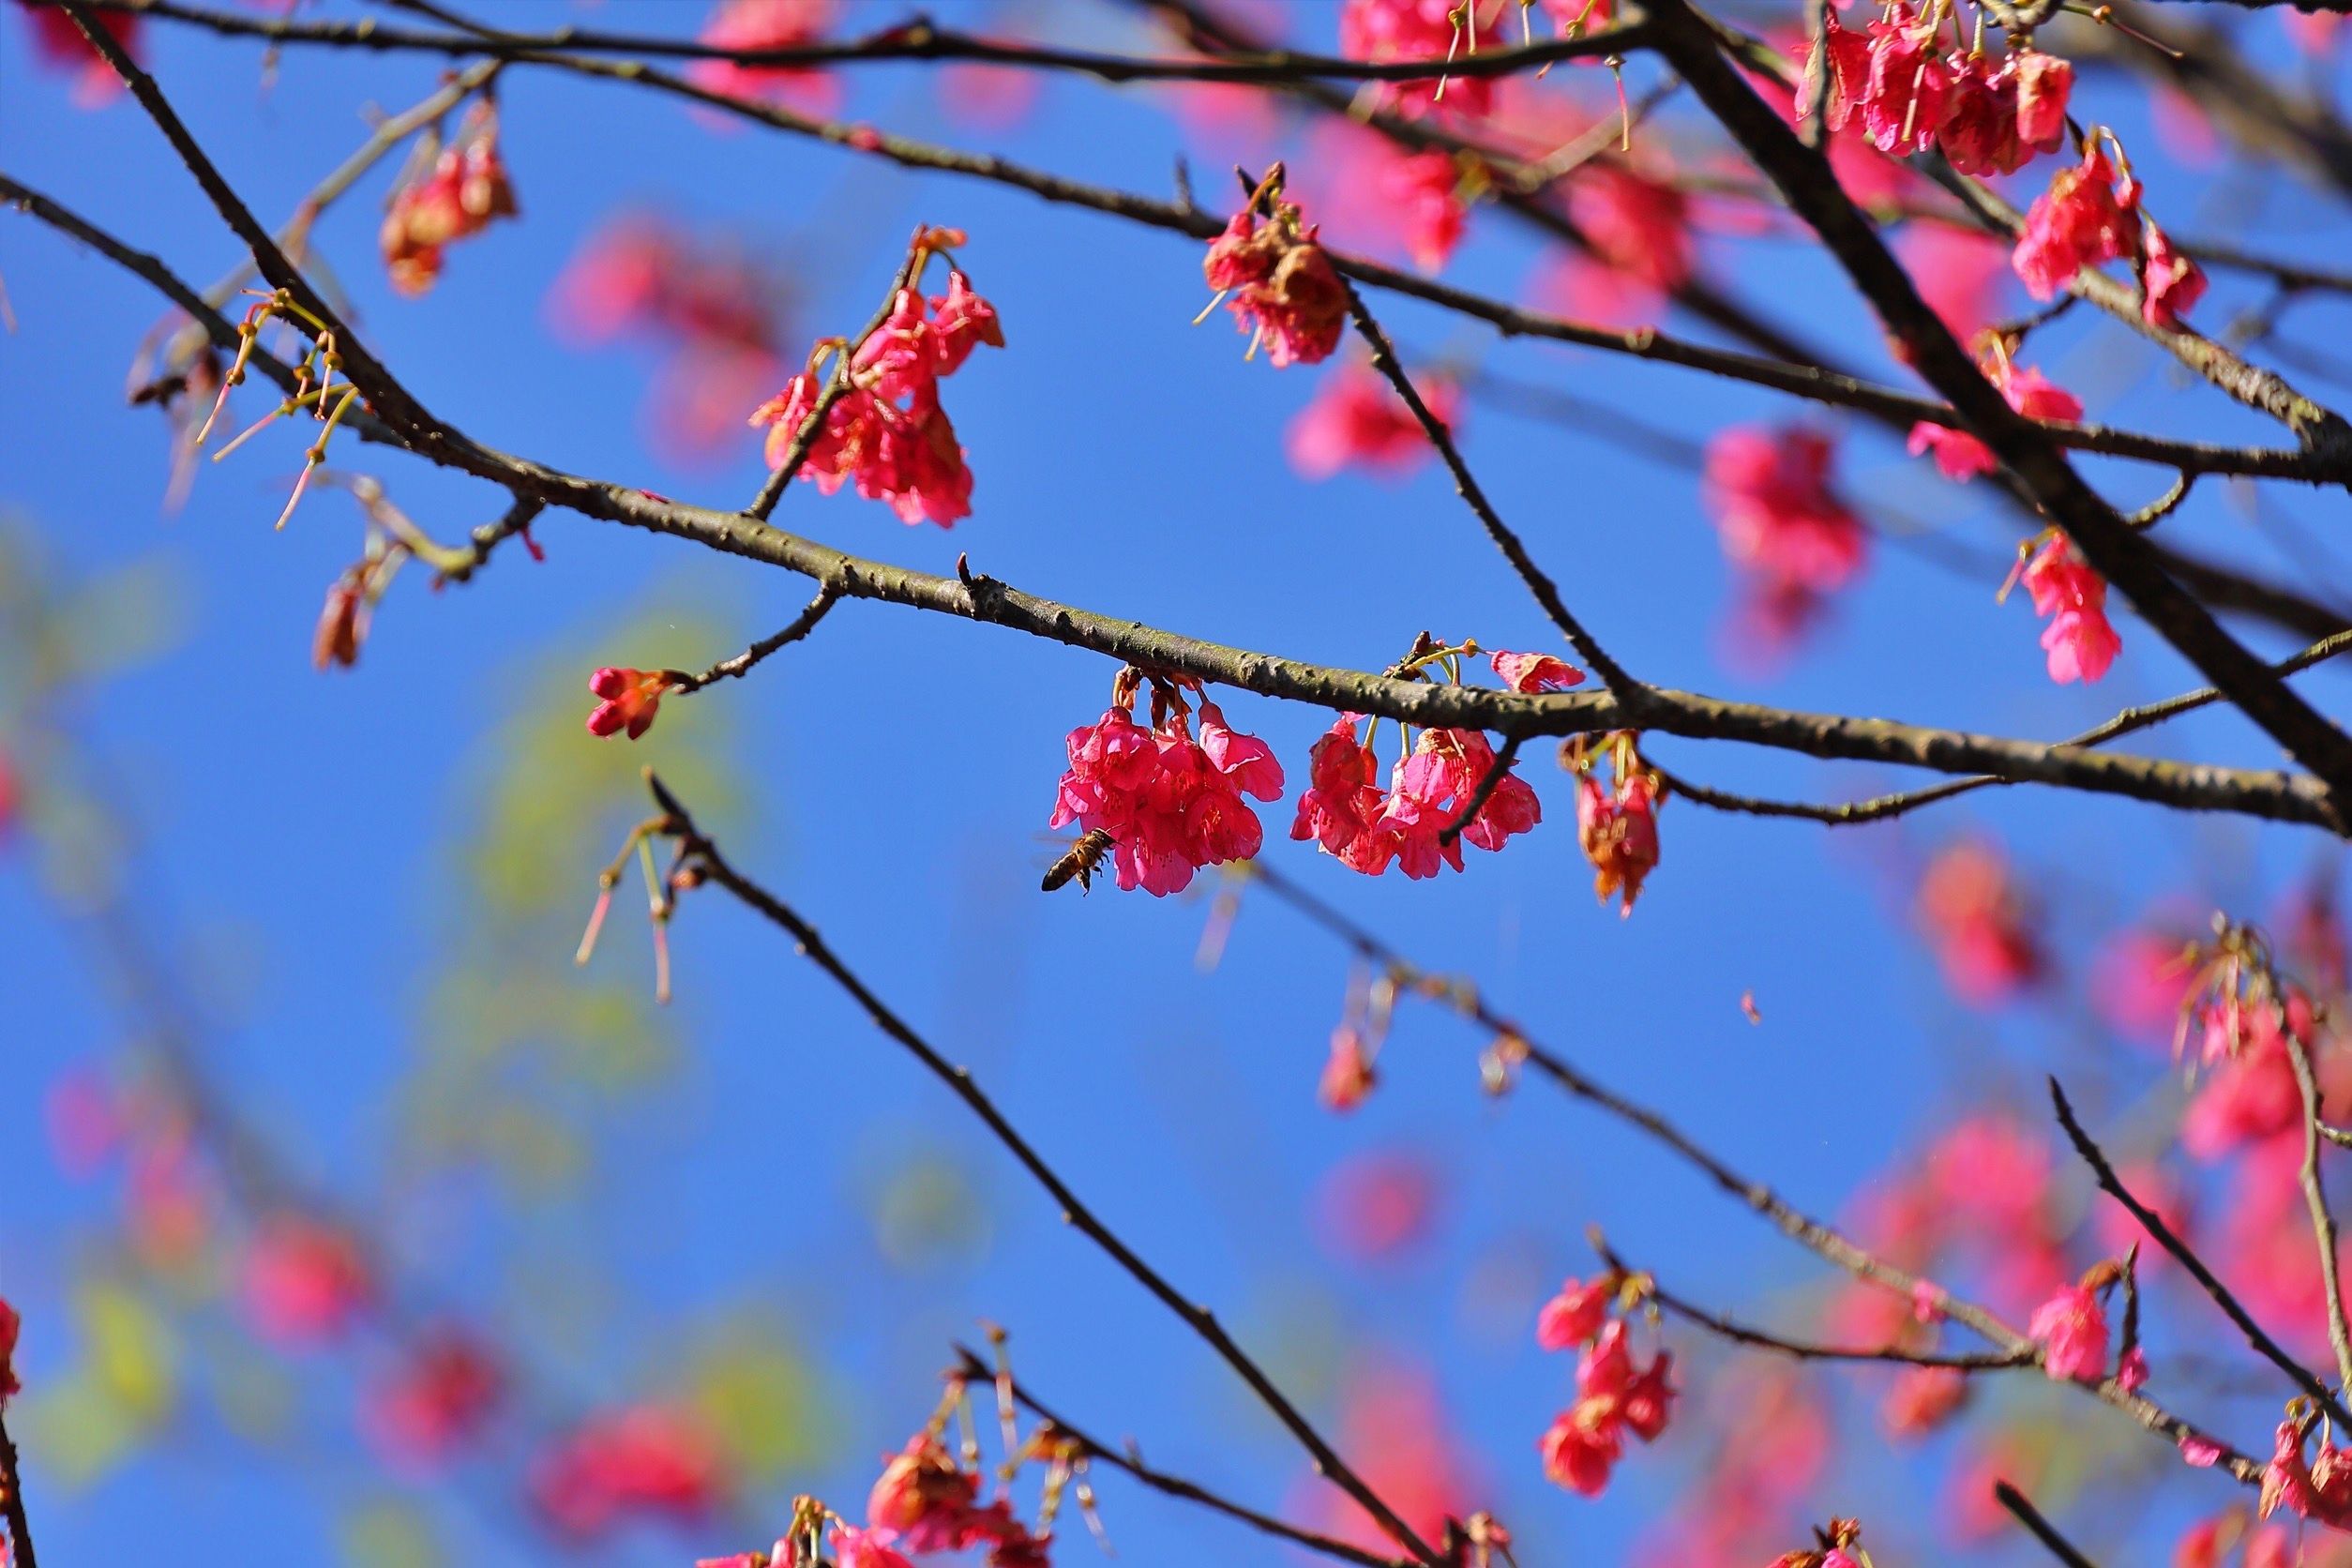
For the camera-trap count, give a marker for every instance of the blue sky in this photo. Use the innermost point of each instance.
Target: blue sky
(307, 837)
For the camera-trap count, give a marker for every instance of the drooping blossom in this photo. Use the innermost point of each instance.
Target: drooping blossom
(2071, 1329)
(888, 433)
(1534, 672)
(1383, 30)
(447, 194)
(1358, 420)
(1369, 829)
(1585, 1441)
(2318, 1490)
(58, 44)
(924, 1497)
(1283, 286)
(445, 1388)
(1347, 1075)
(1962, 456)
(629, 700)
(2080, 221)
(853, 1547)
(1894, 86)
(2130, 1371)
(1776, 511)
(2002, 114)
(1619, 834)
(644, 1461)
(1170, 804)
(2080, 639)
(1977, 923)
(304, 1280)
(1575, 1314)
(754, 24)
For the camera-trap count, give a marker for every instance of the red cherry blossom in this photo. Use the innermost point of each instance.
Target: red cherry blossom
(1575, 1314)
(1584, 1443)
(2174, 283)
(631, 699)
(445, 1390)
(1358, 420)
(2079, 641)
(11, 1326)
(1639, 225)
(450, 193)
(1910, 87)
(1618, 833)
(923, 1498)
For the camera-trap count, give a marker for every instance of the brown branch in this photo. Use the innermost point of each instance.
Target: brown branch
(1825, 1241)
(1795, 378)
(2029, 1515)
(700, 855)
(1803, 176)
(2323, 1221)
(916, 39)
(1491, 781)
(1129, 1461)
(2271, 795)
(12, 1497)
(1613, 675)
(1880, 808)
(2103, 1171)
(800, 626)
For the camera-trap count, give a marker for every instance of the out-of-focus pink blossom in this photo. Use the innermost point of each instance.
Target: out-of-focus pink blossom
(304, 1281)
(1377, 1205)
(2139, 981)
(2079, 221)
(2071, 1329)
(1575, 1314)
(1358, 420)
(1776, 509)
(750, 24)
(2174, 283)
(1958, 271)
(924, 1499)
(1347, 1075)
(1171, 805)
(646, 1462)
(1383, 30)
(1922, 1399)
(1976, 921)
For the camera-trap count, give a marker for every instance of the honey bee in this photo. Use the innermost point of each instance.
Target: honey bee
(1080, 861)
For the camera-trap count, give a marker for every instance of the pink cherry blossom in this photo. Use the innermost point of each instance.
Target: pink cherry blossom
(1358, 420)
(445, 1390)
(643, 1461)
(2071, 1329)
(60, 47)
(853, 1547)
(1534, 672)
(2080, 642)
(1922, 1399)
(1381, 30)
(1977, 922)
(2174, 283)
(924, 1499)
(1347, 1075)
(2079, 221)
(1776, 509)
(11, 1326)
(749, 24)
(1283, 286)
(304, 1281)
(1639, 225)
(1376, 1204)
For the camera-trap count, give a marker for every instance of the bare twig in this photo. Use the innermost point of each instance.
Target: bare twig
(2323, 1220)
(2028, 1514)
(800, 626)
(699, 854)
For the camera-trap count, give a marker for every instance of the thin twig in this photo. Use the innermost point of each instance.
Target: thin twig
(2044, 1531)
(1129, 1460)
(2103, 1171)
(2323, 1220)
(700, 853)
(800, 626)
(12, 1499)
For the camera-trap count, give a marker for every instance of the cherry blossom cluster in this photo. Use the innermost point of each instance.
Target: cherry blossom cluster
(1782, 522)
(2080, 642)
(1898, 86)
(1962, 457)
(888, 433)
(927, 1501)
(444, 194)
(1420, 821)
(1170, 803)
(1283, 286)
(1614, 1396)
(2317, 1489)
(1617, 823)
(2092, 215)
(1385, 30)
(1838, 1545)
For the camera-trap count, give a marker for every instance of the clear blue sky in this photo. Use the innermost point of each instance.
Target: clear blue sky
(310, 840)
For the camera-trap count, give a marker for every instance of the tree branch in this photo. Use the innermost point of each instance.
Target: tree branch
(12, 1497)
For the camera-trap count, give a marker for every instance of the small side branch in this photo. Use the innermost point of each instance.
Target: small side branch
(2323, 1220)
(2029, 1515)
(726, 668)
